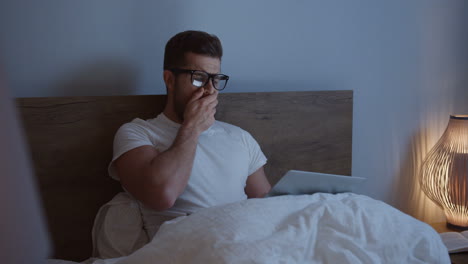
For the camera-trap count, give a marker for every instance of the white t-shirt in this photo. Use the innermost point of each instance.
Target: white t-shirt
(226, 155)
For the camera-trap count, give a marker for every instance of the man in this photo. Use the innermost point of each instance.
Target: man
(183, 159)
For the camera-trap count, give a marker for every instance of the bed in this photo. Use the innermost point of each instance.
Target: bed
(70, 139)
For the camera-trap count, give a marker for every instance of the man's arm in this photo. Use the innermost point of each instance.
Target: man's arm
(159, 178)
(257, 184)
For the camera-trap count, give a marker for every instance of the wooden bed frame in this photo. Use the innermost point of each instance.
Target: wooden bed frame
(70, 140)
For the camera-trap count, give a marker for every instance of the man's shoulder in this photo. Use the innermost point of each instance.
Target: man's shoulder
(137, 125)
(229, 128)
(233, 131)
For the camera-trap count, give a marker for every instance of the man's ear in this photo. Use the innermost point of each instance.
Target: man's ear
(169, 80)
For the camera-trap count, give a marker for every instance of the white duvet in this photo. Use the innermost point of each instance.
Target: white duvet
(319, 228)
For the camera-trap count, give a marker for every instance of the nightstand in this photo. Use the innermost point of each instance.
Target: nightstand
(456, 258)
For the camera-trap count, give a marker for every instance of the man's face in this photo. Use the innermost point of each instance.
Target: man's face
(183, 88)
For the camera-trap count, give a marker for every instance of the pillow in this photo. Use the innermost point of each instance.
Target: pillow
(118, 228)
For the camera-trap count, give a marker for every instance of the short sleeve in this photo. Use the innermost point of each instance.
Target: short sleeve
(128, 137)
(257, 158)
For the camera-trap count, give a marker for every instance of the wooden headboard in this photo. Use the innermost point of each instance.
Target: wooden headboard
(70, 139)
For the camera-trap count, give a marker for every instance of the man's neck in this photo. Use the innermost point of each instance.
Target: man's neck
(172, 116)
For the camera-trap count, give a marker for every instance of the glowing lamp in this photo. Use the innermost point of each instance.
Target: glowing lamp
(444, 172)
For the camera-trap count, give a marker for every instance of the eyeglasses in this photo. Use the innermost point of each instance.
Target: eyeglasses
(201, 78)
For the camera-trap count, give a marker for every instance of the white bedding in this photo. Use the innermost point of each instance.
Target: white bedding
(319, 228)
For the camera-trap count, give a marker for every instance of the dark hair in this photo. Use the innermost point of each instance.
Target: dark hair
(198, 42)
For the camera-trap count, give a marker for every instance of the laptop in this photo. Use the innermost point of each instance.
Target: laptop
(304, 182)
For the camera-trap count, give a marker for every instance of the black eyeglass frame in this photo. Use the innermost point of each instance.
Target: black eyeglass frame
(210, 76)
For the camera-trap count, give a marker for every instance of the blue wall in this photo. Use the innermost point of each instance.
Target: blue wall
(405, 60)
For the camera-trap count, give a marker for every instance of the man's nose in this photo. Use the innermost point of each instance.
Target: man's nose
(209, 88)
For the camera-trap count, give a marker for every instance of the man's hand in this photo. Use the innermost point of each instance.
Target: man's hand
(199, 112)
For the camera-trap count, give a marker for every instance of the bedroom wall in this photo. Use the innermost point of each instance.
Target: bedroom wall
(405, 60)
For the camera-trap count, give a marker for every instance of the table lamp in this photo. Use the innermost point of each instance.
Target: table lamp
(444, 173)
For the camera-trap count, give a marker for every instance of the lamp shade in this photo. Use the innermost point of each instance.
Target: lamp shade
(444, 172)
